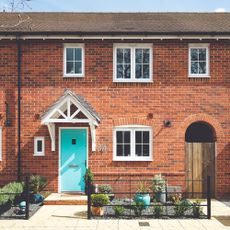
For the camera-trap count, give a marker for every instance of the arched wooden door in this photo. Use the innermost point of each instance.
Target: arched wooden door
(200, 159)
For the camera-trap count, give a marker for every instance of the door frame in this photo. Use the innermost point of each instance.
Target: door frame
(59, 152)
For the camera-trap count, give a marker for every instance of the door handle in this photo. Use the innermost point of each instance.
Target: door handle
(73, 166)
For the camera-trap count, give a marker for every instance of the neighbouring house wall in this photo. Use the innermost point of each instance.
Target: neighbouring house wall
(172, 95)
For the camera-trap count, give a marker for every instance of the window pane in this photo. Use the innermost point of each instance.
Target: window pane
(119, 71)
(127, 72)
(119, 55)
(202, 68)
(146, 58)
(126, 137)
(194, 68)
(194, 54)
(78, 69)
(119, 150)
(146, 71)
(78, 54)
(126, 150)
(202, 54)
(127, 55)
(138, 137)
(146, 137)
(138, 71)
(119, 136)
(39, 146)
(70, 67)
(146, 150)
(139, 56)
(69, 54)
(138, 150)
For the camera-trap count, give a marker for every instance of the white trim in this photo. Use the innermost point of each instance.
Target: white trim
(0, 143)
(51, 128)
(124, 37)
(133, 47)
(78, 45)
(199, 46)
(36, 153)
(132, 129)
(59, 152)
(69, 119)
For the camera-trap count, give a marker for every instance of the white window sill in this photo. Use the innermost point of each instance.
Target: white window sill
(73, 76)
(199, 76)
(132, 159)
(132, 81)
(39, 155)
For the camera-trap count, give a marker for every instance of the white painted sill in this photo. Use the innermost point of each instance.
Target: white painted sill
(199, 76)
(134, 159)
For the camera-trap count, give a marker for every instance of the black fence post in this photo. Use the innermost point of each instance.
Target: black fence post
(209, 194)
(89, 187)
(27, 198)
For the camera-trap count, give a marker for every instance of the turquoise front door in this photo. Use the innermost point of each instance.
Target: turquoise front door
(73, 159)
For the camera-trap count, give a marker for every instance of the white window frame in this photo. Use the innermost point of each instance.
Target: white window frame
(132, 129)
(133, 47)
(199, 46)
(36, 153)
(0, 143)
(79, 45)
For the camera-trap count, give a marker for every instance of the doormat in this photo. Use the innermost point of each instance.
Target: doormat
(225, 220)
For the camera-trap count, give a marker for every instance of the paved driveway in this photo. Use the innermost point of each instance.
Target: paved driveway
(61, 217)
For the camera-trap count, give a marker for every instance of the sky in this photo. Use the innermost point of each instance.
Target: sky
(124, 5)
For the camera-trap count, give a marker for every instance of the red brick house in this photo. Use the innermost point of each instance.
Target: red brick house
(126, 94)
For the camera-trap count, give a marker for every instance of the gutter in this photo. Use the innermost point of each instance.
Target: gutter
(19, 54)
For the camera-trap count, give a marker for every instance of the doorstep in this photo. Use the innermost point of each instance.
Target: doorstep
(65, 199)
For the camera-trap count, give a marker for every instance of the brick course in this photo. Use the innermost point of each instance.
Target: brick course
(172, 95)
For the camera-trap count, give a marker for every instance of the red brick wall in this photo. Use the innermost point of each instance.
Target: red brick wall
(172, 96)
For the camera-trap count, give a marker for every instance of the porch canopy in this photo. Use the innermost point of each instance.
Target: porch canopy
(71, 108)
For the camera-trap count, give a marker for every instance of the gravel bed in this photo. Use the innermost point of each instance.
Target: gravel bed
(148, 212)
(15, 213)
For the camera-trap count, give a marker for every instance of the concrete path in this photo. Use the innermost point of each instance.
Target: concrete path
(61, 217)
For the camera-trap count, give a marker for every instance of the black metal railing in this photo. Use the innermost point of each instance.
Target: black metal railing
(11, 205)
(125, 188)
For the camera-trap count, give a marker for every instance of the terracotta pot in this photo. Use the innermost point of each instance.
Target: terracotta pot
(97, 211)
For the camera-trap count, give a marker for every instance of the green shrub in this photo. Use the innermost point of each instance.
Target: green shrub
(138, 208)
(104, 188)
(12, 187)
(88, 175)
(196, 209)
(158, 210)
(37, 183)
(99, 200)
(181, 207)
(119, 210)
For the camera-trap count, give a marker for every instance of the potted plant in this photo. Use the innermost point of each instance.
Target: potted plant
(142, 194)
(88, 176)
(106, 189)
(159, 188)
(37, 184)
(98, 201)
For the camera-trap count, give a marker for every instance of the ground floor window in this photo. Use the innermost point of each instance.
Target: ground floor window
(132, 143)
(39, 146)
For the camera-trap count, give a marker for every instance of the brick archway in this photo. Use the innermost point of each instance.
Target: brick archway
(200, 118)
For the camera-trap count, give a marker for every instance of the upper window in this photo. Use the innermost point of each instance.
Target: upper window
(132, 63)
(0, 143)
(199, 60)
(73, 61)
(39, 146)
(132, 143)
